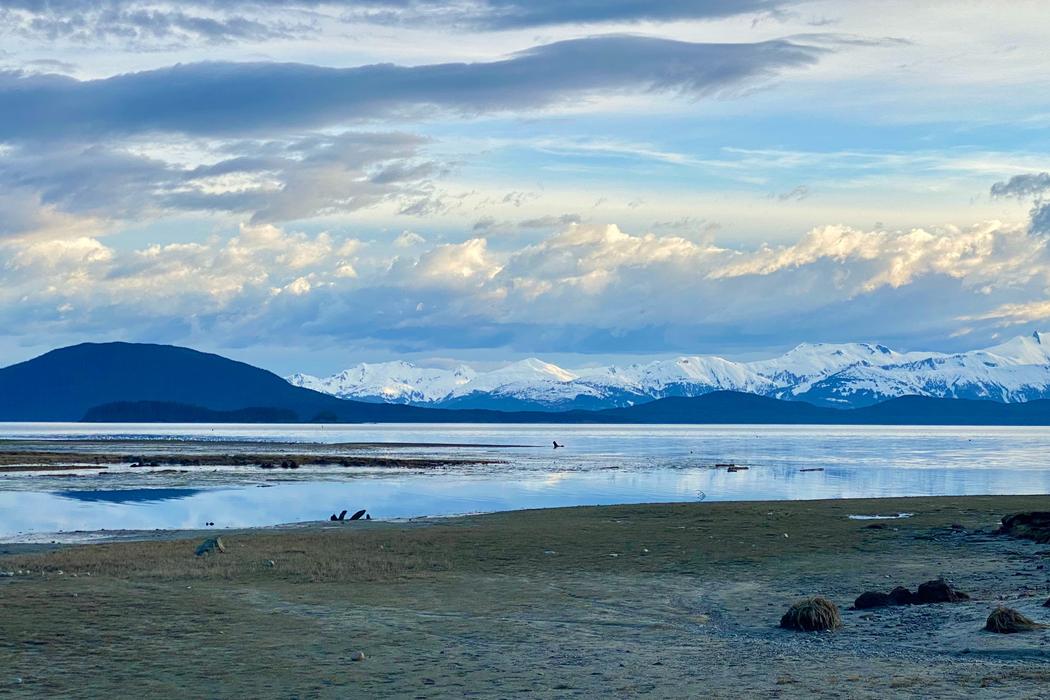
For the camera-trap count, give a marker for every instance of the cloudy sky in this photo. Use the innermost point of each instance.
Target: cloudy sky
(308, 184)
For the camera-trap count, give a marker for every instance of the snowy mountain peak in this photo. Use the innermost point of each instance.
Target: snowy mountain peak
(536, 367)
(837, 374)
(1024, 350)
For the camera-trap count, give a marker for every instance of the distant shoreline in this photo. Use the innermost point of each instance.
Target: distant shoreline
(715, 408)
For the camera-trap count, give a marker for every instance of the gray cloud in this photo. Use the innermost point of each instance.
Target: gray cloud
(267, 180)
(797, 194)
(516, 14)
(1023, 186)
(142, 24)
(210, 21)
(1040, 219)
(551, 221)
(1029, 186)
(227, 99)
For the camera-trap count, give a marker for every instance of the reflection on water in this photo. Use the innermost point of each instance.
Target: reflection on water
(128, 495)
(600, 465)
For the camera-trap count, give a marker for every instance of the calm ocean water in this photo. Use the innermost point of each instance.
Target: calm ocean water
(598, 465)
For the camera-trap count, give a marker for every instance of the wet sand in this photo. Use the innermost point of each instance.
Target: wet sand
(620, 601)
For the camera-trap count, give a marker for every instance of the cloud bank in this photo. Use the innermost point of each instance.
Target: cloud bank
(588, 288)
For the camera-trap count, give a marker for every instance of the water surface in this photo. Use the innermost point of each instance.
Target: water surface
(598, 465)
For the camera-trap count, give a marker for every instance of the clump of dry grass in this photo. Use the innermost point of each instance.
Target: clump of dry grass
(816, 614)
(1008, 621)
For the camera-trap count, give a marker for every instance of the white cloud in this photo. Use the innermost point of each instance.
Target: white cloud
(464, 264)
(60, 254)
(298, 287)
(1015, 314)
(593, 288)
(408, 239)
(986, 254)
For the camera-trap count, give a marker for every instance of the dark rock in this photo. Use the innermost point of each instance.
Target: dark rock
(342, 515)
(1034, 525)
(289, 464)
(901, 596)
(871, 599)
(875, 526)
(1047, 603)
(939, 591)
(358, 515)
(212, 544)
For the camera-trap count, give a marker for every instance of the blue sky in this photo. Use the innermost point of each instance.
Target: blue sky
(306, 185)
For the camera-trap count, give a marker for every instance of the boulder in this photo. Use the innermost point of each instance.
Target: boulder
(1033, 525)
(901, 596)
(871, 599)
(939, 591)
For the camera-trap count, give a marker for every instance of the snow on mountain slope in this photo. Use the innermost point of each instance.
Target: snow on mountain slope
(684, 376)
(847, 374)
(521, 374)
(395, 382)
(1025, 349)
(797, 369)
(1017, 370)
(530, 383)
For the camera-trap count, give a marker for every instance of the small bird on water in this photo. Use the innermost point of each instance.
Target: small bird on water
(556, 445)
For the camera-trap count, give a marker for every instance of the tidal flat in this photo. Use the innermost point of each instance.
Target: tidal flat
(660, 600)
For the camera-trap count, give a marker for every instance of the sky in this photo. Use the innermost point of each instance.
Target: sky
(308, 185)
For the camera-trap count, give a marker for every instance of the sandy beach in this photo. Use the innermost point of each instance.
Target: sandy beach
(647, 600)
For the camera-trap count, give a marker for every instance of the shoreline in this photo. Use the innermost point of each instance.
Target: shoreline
(670, 600)
(887, 516)
(144, 534)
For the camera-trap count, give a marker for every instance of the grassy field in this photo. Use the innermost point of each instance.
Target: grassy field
(658, 600)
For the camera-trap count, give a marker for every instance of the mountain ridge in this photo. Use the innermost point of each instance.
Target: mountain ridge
(845, 375)
(127, 382)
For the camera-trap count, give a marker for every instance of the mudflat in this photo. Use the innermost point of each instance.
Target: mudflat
(70, 455)
(662, 601)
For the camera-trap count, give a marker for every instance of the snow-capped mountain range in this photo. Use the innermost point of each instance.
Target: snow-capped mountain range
(841, 375)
